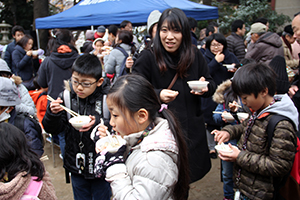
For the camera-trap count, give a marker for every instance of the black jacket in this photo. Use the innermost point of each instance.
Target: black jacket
(186, 106)
(54, 70)
(56, 123)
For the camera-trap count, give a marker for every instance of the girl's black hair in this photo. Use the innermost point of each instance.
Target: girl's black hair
(133, 92)
(15, 154)
(126, 37)
(24, 40)
(253, 78)
(176, 20)
(62, 37)
(229, 97)
(88, 65)
(219, 38)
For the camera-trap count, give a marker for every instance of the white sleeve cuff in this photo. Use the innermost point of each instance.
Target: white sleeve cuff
(116, 171)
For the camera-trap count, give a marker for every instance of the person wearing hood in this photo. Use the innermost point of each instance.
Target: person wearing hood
(256, 163)
(57, 67)
(264, 45)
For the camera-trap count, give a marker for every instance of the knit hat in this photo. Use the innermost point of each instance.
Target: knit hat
(282, 81)
(89, 35)
(153, 19)
(101, 29)
(258, 28)
(9, 95)
(3, 66)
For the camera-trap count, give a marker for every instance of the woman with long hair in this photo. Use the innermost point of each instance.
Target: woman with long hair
(168, 65)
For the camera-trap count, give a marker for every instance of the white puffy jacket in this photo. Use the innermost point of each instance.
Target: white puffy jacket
(150, 172)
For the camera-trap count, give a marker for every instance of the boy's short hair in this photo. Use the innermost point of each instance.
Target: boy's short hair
(113, 29)
(253, 78)
(88, 65)
(237, 24)
(17, 28)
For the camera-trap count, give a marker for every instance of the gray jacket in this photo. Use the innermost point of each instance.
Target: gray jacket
(265, 48)
(113, 61)
(150, 172)
(27, 104)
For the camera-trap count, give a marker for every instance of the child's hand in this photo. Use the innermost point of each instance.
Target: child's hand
(129, 62)
(203, 90)
(221, 136)
(89, 125)
(102, 131)
(230, 156)
(55, 106)
(223, 117)
(234, 106)
(29, 53)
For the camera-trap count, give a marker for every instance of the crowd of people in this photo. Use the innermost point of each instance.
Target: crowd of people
(139, 91)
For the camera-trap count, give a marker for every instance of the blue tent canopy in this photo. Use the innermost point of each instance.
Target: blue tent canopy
(106, 12)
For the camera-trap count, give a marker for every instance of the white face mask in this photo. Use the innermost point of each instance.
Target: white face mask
(4, 116)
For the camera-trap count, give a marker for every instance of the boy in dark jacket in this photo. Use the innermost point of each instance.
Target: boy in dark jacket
(87, 92)
(17, 32)
(256, 164)
(9, 98)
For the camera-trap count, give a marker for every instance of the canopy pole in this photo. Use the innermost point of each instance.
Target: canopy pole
(37, 38)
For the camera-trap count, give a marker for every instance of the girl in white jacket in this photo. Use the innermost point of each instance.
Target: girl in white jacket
(155, 155)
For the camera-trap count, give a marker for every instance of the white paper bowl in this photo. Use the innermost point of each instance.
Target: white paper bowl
(105, 141)
(78, 122)
(229, 66)
(242, 116)
(223, 148)
(227, 116)
(197, 86)
(35, 53)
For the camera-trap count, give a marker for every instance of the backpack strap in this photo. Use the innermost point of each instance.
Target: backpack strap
(67, 101)
(33, 189)
(123, 66)
(271, 126)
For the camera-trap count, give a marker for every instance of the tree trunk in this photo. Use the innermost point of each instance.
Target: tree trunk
(41, 9)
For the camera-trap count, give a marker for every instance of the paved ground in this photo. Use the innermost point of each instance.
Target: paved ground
(209, 187)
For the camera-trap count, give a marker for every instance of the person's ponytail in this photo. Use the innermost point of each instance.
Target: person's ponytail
(182, 186)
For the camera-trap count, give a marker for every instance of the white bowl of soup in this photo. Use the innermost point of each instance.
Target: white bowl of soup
(223, 147)
(111, 145)
(78, 122)
(197, 86)
(242, 116)
(228, 116)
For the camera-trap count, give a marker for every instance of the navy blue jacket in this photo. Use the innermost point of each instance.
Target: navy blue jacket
(8, 53)
(30, 132)
(219, 73)
(23, 64)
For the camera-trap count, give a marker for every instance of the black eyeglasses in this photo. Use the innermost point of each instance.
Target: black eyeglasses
(83, 84)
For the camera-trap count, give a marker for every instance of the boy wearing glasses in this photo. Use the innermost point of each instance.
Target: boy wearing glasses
(87, 94)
